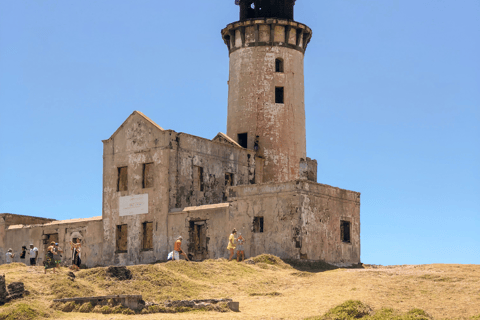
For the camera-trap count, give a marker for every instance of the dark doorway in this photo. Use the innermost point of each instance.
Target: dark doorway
(197, 245)
(50, 238)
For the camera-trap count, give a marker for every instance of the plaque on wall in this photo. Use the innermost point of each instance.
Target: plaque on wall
(132, 205)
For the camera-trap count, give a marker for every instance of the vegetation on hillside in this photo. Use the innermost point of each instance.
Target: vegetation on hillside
(265, 286)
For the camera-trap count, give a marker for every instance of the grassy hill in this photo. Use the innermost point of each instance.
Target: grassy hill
(268, 289)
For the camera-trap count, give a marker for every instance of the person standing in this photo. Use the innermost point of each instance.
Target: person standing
(24, 252)
(231, 244)
(240, 250)
(33, 253)
(76, 254)
(10, 255)
(49, 258)
(177, 249)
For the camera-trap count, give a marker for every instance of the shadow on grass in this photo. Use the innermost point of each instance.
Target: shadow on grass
(316, 266)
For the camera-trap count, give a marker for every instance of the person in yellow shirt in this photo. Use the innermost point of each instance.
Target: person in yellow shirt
(177, 249)
(231, 244)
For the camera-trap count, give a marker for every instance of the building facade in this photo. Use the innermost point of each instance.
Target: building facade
(159, 184)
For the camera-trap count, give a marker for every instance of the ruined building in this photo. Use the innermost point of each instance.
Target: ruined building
(159, 184)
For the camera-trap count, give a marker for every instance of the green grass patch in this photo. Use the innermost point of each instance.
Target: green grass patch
(22, 311)
(354, 309)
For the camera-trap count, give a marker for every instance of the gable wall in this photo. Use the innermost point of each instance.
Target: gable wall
(136, 142)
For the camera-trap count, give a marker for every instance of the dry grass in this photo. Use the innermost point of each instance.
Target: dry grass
(268, 289)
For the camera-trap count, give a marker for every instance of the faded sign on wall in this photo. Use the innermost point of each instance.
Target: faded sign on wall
(132, 205)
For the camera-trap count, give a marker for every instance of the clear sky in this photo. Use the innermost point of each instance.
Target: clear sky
(392, 93)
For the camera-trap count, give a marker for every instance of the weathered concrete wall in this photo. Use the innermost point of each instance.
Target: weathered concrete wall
(189, 153)
(138, 141)
(301, 220)
(277, 128)
(212, 218)
(90, 230)
(186, 171)
(8, 219)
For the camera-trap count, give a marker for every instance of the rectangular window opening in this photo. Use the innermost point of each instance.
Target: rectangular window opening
(148, 175)
(122, 182)
(279, 95)
(278, 65)
(121, 236)
(243, 140)
(198, 178)
(228, 179)
(258, 224)
(147, 243)
(345, 231)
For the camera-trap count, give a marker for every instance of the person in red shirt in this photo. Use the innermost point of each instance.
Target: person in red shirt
(177, 249)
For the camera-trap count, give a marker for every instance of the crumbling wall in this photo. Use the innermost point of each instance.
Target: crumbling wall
(8, 219)
(308, 169)
(143, 148)
(217, 162)
(323, 208)
(301, 220)
(213, 219)
(90, 230)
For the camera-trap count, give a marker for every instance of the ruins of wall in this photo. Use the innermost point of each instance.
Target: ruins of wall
(8, 219)
(90, 230)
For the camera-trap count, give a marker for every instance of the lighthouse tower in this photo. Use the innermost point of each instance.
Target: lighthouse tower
(266, 108)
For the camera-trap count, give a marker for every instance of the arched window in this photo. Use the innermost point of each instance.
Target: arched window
(278, 65)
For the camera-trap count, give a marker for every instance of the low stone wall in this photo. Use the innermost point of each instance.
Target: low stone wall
(134, 302)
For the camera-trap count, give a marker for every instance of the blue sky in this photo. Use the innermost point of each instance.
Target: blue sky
(392, 93)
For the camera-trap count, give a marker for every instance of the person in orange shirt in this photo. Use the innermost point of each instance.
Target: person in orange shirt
(177, 249)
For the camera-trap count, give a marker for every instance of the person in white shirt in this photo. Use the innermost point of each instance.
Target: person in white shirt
(10, 255)
(33, 255)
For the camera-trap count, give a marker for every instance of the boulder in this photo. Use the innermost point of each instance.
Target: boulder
(119, 273)
(16, 290)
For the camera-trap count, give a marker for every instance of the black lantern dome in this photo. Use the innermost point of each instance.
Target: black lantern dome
(251, 9)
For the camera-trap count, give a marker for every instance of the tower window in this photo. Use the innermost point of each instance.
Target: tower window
(122, 182)
(243, 139)
(345, 231)
(278, 65)
(279, 95)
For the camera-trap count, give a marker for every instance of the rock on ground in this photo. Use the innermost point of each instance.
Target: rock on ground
(119, 273)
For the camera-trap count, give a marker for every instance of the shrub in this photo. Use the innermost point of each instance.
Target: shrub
(21, 311)
(86, 307)
(351, 309)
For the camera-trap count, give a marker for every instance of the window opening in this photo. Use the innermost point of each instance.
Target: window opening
(228, 179)
(345, 231)
(279, 95)
(258, 224)
(122, 183)
(243, 139)
(122, 236)
(278, 65)
(147, 243)
(198, 178)
(148, 175)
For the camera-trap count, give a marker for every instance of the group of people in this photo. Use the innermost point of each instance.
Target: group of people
(233, 243)
(53, 255)
(236, 243)
(33, 254)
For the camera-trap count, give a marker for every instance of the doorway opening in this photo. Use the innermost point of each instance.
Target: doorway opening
(197, 242)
